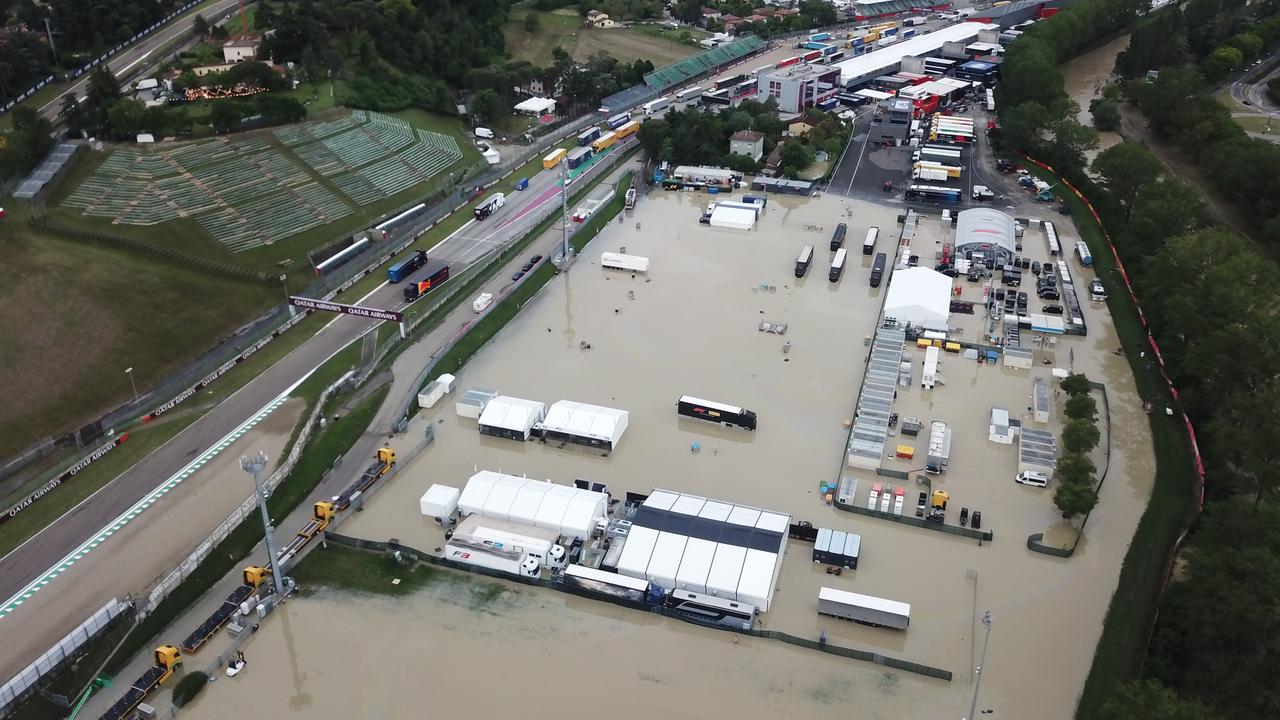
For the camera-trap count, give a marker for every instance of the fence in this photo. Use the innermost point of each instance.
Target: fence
(57, 656)
(968, 532)
(819, 645)
(245, 510)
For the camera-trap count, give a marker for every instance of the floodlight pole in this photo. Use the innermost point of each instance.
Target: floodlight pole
(973, 706)
(564, 212)
(254, 466)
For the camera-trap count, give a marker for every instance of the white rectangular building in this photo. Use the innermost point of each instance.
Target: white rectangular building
(733, 217)
(571, 512)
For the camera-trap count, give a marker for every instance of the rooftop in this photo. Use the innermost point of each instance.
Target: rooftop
(747, 136)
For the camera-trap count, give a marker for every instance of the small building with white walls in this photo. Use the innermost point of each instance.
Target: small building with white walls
(584, 424)
(536, 106)
(573, 512)
(511, 417)
(240, 49)
(920, 297)
(986, 231)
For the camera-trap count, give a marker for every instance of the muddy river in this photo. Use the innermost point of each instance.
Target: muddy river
(1084, 78)
(691, 326)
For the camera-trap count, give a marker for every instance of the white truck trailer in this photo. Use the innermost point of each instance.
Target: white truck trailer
(864, 609)
(939, 447)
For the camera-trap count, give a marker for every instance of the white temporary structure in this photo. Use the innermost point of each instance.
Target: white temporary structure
(573, 512)
(536, 106)
(585, 424)
(510, 417)
(626, 263)
(439, 502)
(737, 218)
(919, 296)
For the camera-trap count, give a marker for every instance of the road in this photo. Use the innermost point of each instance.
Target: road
(30, 563)
(130, 59)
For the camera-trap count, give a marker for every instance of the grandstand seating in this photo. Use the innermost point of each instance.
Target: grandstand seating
(246, 192)
(663, 78)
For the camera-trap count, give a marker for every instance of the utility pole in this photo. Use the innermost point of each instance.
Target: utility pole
(977, 685)
(284, 280)
(129, 371)
(48, 32)
(254, 466)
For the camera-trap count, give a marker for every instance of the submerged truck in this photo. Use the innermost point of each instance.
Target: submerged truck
(864, 609)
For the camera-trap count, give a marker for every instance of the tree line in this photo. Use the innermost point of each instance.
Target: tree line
(1209, 296)
(81, 32)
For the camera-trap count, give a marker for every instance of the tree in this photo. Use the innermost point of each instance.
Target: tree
(1075, 468)
(795, 157)
(1076, 384)
(219, 33)
(28, 142)
(532, 22)
(124, 118)
(1106, 114)
(1081, 407)
(1074, 498)
(487, 105)
(1221, 62)
(1161, 210)
(71, 113)
(1080, 436)
(199, 26)
(1149, 700)
(1125, 169)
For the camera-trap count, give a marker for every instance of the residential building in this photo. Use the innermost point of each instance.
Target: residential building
(799, 87)
(239, 49)
(747, 142)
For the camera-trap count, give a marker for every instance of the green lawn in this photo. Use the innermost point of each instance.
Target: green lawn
(345, 568)
(1131, 614)
(563, 28)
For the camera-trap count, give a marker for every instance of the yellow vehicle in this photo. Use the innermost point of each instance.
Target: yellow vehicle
(604, 141)
(627, 130)
(553, 158)
(167, 660)
(940, 498)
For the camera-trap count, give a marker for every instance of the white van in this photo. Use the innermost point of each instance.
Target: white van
(1032, 478)
(484, 132)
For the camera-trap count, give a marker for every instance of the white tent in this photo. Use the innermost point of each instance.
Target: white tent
(987, 231)
(572, 512)
(733, 217)
(536, 106)
(510, 417)
(585, 424)
(919, 296)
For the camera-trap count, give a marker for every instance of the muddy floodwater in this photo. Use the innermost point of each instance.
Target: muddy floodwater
(1084, 78)
(691, 326)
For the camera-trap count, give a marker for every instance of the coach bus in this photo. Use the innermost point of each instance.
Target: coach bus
(612, 584)
(715, 412)
(933, 193)
(711, 610)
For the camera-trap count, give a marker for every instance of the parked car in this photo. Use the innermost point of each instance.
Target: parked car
(921, 504)
(1051, 309)
(526, 267)
(1000, 294)
(1035, 267)
(1032, 478)
(1049, 294)
(1026, 263)
(976, 519)
(535, 259)
(517, 275)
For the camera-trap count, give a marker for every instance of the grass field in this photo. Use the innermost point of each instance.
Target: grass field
(79, 314)
(562, 28)
(1131, 614)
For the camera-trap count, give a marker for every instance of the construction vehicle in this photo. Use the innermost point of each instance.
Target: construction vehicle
(168, 659)
(254, 577)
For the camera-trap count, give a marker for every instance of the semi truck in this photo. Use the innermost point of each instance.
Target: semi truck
(864, 609)
(586, 137)
(437, 273)
(869, 243)
(167, 660)
(939, 447)
(837, 237)
(579, 157)
(712, 411)
(402, 269)
(490, 205)
(627, 130)
(613, 585)
(877, 269)
(837, 265)
(553, 158)
(604, 141)
(803, 260)
(618, 120)
(657, 105)
(253, 577)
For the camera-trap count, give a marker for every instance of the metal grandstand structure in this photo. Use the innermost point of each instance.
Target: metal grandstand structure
(712, 59)
(248, 192)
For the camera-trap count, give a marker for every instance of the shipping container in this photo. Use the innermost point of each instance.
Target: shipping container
(627, 130)
(939, 447)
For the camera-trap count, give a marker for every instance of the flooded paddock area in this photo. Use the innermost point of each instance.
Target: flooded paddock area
(691, 325)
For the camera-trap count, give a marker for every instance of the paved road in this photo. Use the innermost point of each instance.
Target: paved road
(31, 561)
(130, 60)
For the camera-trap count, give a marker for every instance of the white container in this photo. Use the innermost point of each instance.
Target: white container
(439, 502)
(482, 302)
(430, 395)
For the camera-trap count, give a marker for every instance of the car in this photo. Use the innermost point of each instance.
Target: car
(975, 520)
(517, 275)
(535, 259)
(1026, 263)
(950, 271)
(921, 504)
(1051, 309)
(1035, 267)
(1000, 294)
(1022, 299)
(526, 267)
(1033, 478)
(1049, 294)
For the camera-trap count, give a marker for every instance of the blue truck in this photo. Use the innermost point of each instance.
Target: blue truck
(404, 268)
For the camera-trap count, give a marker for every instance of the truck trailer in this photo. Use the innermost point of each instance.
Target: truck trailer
(939, 446)
(404, 268)
(487, 208)
(436, 274)
(864, 609)
(167, 660)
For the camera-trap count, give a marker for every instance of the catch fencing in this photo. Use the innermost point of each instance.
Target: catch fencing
(245, 509)
(65, 651)
(820, 645)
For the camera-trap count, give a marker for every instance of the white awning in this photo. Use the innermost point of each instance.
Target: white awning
(536, 106)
